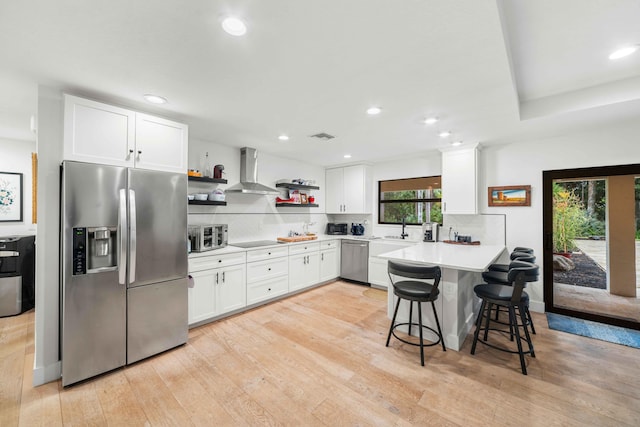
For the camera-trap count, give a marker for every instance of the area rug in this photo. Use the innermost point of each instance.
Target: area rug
(600, 331)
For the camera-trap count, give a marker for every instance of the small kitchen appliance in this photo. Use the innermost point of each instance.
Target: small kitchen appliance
(17, 274)
(357, 229)
(334, 228)
(217, 171)
(431, 232)
(208, 237)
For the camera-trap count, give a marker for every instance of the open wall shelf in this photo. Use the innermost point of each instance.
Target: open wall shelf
(207, 203)
(297, 205)
(296, 186)
(207, 180)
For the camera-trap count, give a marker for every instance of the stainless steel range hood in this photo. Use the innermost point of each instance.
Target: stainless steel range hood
(249, 175)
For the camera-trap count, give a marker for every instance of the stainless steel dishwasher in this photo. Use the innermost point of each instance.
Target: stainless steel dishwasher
(354, 260)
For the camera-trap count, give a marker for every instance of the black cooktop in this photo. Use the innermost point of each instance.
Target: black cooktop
(255, 244)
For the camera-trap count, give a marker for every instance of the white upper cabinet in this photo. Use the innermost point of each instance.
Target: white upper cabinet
(161, 144)
(348, 190)
(460, 181)
(99, 133)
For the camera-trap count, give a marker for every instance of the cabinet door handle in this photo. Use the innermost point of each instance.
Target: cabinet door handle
(223, 277)
(321, 257)
(217, 274)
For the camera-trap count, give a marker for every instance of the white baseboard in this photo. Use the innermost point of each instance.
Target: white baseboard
(537, 306)
(46, 374)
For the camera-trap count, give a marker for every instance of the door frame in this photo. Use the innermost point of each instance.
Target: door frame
(547, 229)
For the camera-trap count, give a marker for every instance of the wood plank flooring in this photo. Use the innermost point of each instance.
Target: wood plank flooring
(319, 358)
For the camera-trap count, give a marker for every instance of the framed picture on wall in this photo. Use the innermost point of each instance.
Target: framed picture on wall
(514, 195)
(10, 197)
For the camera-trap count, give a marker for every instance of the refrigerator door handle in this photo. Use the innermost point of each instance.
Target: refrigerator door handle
(132, 238)
(122, 243)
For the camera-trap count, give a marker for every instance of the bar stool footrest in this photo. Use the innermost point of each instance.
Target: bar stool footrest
(393, 332)
(506, 350)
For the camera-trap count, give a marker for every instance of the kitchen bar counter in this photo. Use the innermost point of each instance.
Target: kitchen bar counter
(461, 267)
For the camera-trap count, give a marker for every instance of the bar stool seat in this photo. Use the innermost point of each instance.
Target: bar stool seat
(415, 291)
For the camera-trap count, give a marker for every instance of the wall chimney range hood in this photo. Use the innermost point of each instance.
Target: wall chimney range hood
(249, 175)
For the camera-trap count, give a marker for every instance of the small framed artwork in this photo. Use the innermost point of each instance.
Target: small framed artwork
(514, 195)
(303, 199)
(10, 197)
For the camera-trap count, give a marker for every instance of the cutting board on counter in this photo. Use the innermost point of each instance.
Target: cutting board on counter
(296, 238)
(453, 242)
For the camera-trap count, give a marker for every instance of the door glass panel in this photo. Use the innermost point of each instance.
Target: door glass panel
(589, 244)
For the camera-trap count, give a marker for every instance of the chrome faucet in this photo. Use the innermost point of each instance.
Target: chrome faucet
(404, 224)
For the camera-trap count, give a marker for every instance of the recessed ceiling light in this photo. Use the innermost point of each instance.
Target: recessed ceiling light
(444, 134)
(430, 120)
(456, 143)
(234, 26)
(347, 156)
(625, 51)
(372, 111)
(283, 138)
(155, 99)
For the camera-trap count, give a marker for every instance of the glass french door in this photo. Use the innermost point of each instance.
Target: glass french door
(591, 228)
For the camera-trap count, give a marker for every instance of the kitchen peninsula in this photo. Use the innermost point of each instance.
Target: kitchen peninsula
(461, 267)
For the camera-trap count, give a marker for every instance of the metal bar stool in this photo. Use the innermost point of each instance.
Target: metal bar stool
(418, 291)
(515, 300)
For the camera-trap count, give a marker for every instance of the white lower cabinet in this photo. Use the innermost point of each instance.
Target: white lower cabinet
(329, 260)
(224, 283)
(219, 285)
(378, 270)
(267, 274)
(304, 265)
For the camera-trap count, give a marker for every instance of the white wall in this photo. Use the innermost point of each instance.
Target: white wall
(16, 157)
(428, 164)
(50, 116)
(523, 163)
(255, 217)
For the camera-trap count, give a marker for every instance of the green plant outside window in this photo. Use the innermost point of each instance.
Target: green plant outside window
(417, 200)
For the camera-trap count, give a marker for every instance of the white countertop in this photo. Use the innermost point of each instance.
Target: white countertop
(460, 257)
(321, 238)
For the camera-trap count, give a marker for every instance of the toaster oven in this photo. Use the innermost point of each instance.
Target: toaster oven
(208, 237)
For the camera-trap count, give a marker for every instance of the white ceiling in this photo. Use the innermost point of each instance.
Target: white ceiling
(493, 71)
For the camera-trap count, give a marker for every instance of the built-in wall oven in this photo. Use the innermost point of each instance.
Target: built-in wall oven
(354, 263)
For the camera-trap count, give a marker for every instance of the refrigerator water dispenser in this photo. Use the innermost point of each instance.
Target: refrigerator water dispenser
(94, 249)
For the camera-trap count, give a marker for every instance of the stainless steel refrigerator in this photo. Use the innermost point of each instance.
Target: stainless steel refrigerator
(123, 266)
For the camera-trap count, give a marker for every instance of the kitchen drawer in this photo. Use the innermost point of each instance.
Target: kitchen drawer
(267, 269)
(215, 261)
(269, 253)
(302, 248)
(267, 289)
(329, 244)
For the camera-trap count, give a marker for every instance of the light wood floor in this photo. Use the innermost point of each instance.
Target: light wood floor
(319, 359)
